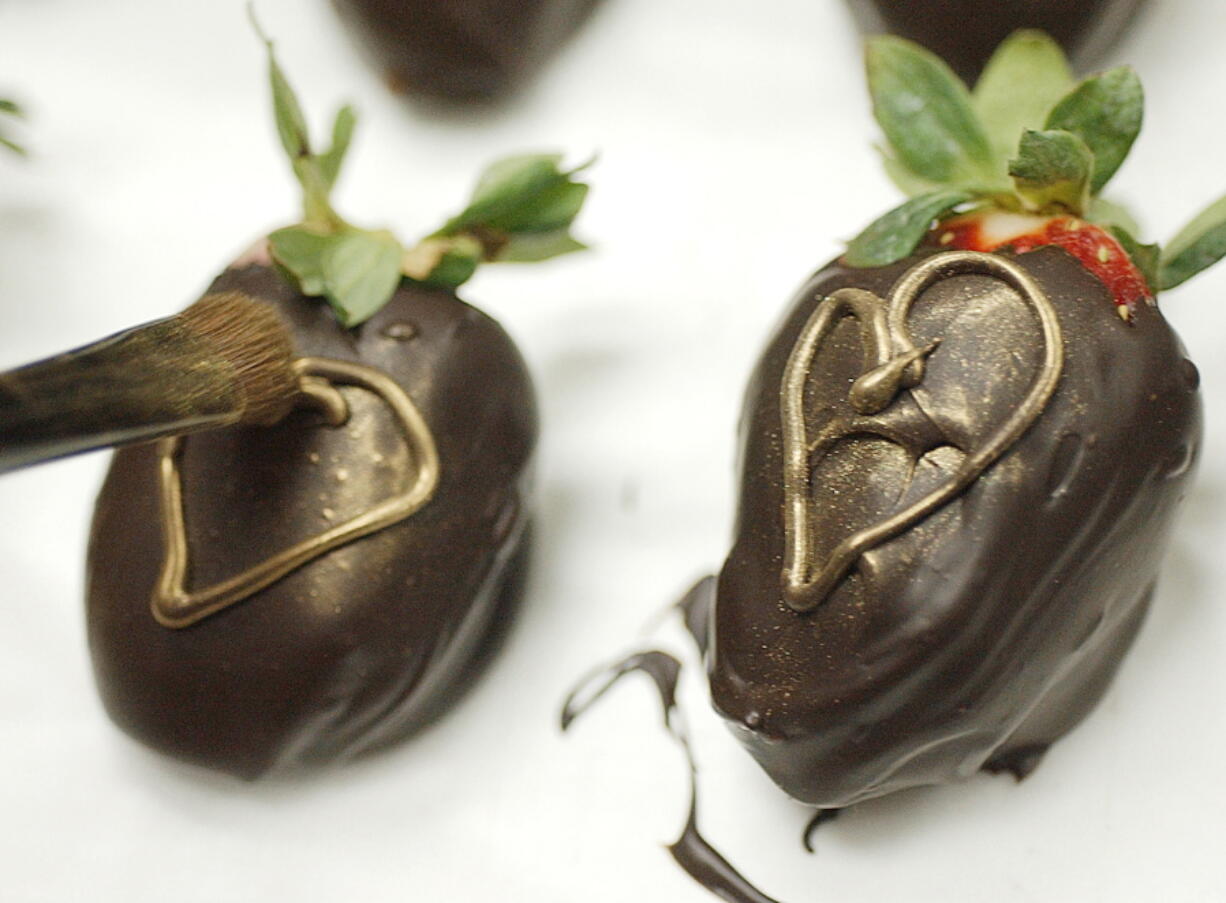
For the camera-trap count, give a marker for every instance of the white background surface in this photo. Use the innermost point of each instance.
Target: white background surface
(734, 158)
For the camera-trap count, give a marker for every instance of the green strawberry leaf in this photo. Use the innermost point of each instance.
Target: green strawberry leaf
(906, 181)
(1105, 111)
(1052, 167)
(554, 207)
(1026, 76)
(528, 193)
(342, 133)
(360, 270)
(895, 235)
(357, 270)
(531, 247)
(452, 261)
(1198, 245)
(287, 112)
(1145, 258)
(300, 250)
(926, 113)
(315, 173)
(521, 209)
(504, 183)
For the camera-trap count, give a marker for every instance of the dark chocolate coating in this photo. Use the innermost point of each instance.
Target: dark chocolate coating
(980, 635)
(367, 643)
(461, 50)
(966, 32)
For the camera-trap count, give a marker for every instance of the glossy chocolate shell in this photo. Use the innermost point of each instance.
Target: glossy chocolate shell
(368, 642)
(980, 634)
(461, 50)
(966, 32)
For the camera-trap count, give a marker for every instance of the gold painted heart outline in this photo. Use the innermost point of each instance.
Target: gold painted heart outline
(894, 363)
(173, 605)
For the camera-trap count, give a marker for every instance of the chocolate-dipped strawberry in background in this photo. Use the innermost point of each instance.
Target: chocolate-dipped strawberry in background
(461, 50)
(961, 453)
(964, 33)
(261, 598)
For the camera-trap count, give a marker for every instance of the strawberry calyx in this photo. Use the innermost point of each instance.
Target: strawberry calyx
(1018, 161)
(520, 211)
(1094, 247)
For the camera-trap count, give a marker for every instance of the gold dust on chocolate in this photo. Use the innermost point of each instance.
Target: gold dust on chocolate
(175, 606)
(369, 637)
(925, 584)
(895, 363)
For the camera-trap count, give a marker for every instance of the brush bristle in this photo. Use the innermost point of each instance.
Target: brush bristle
(252, 337)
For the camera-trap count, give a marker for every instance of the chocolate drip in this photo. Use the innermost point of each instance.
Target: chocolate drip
(705, 865)
(691, 850)
(820, 817)
(661, 667)
(695, 607)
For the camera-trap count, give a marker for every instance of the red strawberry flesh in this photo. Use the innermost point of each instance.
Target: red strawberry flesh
(1093, 247)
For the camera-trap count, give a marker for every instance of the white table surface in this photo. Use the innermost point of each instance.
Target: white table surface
(734, 144)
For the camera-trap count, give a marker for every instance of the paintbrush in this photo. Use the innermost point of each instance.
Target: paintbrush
(226, 360)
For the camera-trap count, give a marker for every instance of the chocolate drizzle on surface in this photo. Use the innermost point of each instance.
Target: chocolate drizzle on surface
(705, 865)
(820, 817)
(691, 850)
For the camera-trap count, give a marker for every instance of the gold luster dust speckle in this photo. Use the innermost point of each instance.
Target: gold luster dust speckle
(946, 237)
(400, 331)
(327, 514)
(313, 457)
(341, 475)
(1124, 312)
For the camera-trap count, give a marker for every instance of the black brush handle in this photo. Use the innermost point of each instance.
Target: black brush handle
(168, 377)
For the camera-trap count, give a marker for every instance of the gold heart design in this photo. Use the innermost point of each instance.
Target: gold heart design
(174, 605)
(893, 363)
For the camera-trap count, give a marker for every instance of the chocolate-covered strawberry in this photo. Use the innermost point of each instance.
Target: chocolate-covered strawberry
(461, 50)
(964, 33)
(963, 449)
(267, 597)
